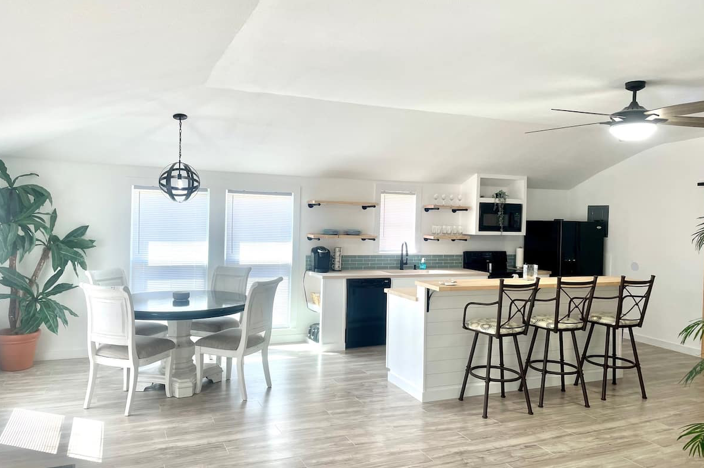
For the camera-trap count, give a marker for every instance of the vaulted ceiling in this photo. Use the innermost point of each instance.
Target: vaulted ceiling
(413, 90)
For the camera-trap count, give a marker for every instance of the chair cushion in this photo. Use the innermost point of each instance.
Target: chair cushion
(548, 321)
(228, 340)
(609, 318)
(488, 325)
(149, 328)
(214, 325)
(147, 346)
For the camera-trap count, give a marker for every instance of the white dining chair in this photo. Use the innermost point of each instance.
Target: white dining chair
(229, 279)
(112, 341)
(256, 327)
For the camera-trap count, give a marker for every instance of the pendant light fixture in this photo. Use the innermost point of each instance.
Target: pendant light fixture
(179, 181)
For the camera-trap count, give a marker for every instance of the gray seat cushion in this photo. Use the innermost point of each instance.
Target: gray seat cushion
(548, 321)
(147, 346)
(214, 325)
(228, 340)
(488, 325)
(149, 328)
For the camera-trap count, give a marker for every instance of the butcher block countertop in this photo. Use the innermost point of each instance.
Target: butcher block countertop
(489, 284)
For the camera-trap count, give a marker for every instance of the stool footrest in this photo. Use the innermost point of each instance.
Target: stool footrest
(553, 361)
(607, 365)
(487, 374)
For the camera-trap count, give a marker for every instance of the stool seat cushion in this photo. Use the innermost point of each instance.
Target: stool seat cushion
(548, 321)
(488, 325)
(214, 325)
(229, 340)
(147, 346)
(146, 328)
(609, 318)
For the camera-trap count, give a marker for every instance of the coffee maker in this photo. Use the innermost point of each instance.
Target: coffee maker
(321, 259)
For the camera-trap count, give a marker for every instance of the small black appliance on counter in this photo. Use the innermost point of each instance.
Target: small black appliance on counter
(493, 262)
(321, 259)
(566, 248)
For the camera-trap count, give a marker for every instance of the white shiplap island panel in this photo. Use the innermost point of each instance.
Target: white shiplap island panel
(427, 348)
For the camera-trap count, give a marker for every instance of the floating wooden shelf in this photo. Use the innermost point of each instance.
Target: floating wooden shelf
(454, 209)
(363, 237)
(508, 200)
(364, 205)
(452, 237)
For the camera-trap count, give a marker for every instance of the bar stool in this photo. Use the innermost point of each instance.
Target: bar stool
(579, 296)
(635, 294)
(520, 298)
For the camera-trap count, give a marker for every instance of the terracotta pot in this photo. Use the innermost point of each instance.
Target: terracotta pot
(17, 351)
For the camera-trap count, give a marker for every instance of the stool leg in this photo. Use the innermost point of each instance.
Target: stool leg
(469, 364)
(530, 352)
(545, 368)
(501, 365)
(606, 365)
(584, 353)
(580, 372)
(635, 356)
(524, 384)
(562, 362)
(613, 356)
(488, 380)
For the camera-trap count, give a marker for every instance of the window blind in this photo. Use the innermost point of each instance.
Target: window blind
(259, 234)
(397, 221)
(169, 241)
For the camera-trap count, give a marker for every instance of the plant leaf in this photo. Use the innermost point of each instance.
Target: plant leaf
(692, 374)
(52, 281)
(694, 331)
(29, 174)
(695, 444)
(698, 237)
(13, 279)
(78, 232)
(4, 175)
(59, 288)
(36, 191)
(52, 221)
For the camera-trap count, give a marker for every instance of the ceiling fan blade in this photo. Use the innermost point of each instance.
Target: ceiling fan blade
(679, 109)
(570, 126)
(579, 112)
(685, 121)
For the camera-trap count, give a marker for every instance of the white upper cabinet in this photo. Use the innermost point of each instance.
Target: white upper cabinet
(485, 216)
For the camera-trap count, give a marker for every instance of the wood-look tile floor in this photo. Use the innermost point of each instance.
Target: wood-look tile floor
(337, 409)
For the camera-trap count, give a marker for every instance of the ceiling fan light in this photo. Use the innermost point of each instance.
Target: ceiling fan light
(633, 131)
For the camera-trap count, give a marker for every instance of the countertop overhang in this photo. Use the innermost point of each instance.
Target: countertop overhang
(489, 284)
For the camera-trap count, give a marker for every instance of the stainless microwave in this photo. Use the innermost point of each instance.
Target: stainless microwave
(489, 217)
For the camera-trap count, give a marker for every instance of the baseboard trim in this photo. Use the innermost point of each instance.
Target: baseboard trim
(56, 354)
(680, 348)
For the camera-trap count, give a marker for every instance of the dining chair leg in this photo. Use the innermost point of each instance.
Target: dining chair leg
(488, 380)
(92, 374)
(167, 374)
(199, 370)
(240, 377)
(545, 368)
(580, 372)
(613, 356)
(133, 387)
(469, 365)
(125, 378)
(583, 357)
(524, 384)
(606, 366)
(501, 365)
(637, 361)
(228, 368)
(530, 353)
(562, 362)
(265, 364)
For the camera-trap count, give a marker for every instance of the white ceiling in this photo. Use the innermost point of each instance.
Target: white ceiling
(376, 89)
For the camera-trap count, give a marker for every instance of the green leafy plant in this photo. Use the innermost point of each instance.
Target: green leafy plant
(499, 202)
(22, 228)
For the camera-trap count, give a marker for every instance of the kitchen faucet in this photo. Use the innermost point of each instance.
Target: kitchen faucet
(402, 261)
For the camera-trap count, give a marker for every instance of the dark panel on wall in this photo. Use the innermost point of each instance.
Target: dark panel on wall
(599, 213)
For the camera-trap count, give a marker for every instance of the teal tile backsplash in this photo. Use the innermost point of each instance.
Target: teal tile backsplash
(388, 262)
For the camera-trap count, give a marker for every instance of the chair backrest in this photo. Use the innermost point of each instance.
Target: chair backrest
(259, 309)
(109, 277)
(519, 300)
(573, 300)
(110, 316)
(633, 298)
(231, 279)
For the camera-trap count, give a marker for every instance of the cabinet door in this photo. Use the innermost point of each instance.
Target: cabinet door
(568, 260)
(590, 252)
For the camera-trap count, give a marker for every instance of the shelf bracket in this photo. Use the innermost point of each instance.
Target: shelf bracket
(433, 209)
(313, 238)
(368, 239)
(463, 240)
(428, 295)
(364, 207)
(426, 240)
(455, 210)
(311, 205)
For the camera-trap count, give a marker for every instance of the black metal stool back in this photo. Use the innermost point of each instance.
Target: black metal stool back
(633, 298)
(573, 301)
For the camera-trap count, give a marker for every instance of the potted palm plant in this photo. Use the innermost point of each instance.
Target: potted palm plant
(23, 226)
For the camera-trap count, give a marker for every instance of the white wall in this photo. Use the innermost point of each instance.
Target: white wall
(654, 202)
(100, 195)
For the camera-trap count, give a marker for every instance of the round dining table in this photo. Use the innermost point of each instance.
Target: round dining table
(161, 306)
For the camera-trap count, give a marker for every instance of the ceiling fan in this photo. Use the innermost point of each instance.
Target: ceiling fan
(634, 122)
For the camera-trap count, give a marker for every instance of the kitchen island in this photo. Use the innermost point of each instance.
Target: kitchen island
(427, 348)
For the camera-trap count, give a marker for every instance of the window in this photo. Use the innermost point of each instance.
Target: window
(397, 221)
(169, 241)
(259, 234)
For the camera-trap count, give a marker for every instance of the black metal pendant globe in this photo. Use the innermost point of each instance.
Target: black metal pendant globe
(179, 181)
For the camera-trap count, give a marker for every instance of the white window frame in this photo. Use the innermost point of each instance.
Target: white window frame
(399, 188)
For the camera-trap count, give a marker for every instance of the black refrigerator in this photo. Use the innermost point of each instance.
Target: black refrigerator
(566, 248)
